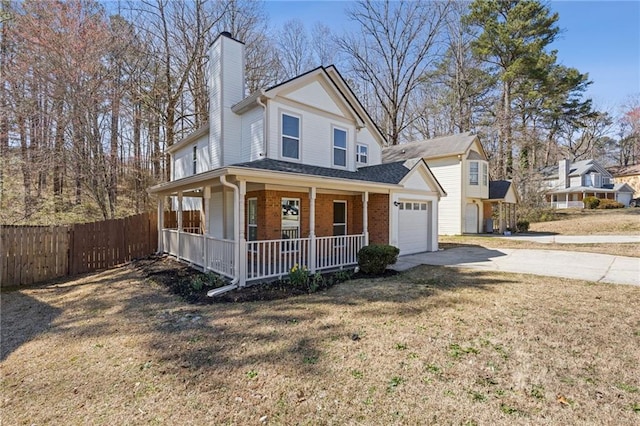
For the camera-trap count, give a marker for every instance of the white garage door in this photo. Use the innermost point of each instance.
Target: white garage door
(413, 227)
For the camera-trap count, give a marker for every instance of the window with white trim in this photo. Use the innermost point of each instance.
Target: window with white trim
(290, 136)
(339, 147)
(252, 219)
(473, 173)
(362, 153)
(195, 159)
(290, 221)
(485, 174)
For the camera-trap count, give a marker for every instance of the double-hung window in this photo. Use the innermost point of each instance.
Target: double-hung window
(473, 173)
(290, 137)
(339, 147)
(362, 154)
(194, 159)
(485, 174)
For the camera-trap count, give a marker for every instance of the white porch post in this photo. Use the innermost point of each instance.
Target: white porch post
(312, 229)
(160, 224)
(365, 217)
(242, 242)
(204, 224)
(179, 223)
(501, 219)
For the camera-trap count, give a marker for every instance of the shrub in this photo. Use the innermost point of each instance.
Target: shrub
(610, 204)
(299, 276)
(591, 202)
(373, 259)
(522, 225)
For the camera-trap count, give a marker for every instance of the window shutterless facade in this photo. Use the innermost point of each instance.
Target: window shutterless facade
(473, 173)
(362, 154)
(195, 159)
(485, 174)
(339, 147)
(290, 137)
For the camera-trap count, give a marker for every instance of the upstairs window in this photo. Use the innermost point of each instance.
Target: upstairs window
(290, 137)
(339, 147)
(195, 160)
(473, 173)
(362, 154)
(485, 174)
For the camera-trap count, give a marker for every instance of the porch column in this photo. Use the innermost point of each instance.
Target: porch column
(204, 224)
(365, 217)
(179, 224)
(242, 242)
(501, 217)
(160, 224)
(312, 229)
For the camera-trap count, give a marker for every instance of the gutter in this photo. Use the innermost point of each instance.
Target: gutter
(236, 237)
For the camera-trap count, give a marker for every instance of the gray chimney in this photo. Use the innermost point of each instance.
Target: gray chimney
(226, 88)
(564, 166)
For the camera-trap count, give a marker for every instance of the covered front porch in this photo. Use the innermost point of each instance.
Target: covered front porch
(253, 230)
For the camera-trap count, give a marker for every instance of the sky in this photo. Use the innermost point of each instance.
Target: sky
(601, 38)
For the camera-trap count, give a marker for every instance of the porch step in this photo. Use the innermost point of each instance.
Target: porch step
(221, 290)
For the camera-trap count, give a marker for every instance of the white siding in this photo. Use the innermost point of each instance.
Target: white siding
(448, 173)
(316, 95)
(252, 135)
(316, 135)
(216, 214)
(575, 181)
(226, 88)
(375, 150)
(183, 159)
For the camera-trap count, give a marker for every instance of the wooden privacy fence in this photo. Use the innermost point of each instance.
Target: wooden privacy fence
(30, 254)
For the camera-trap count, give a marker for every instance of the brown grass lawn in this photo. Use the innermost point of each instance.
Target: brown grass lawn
(570, 222)
(429, 346)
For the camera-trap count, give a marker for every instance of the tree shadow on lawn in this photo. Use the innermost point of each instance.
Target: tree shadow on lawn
(294, 333)
(23, 318)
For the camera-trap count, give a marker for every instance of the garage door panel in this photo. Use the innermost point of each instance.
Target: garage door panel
(413, 227)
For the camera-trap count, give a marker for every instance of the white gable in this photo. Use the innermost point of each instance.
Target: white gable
(417, 179)
(315, 94)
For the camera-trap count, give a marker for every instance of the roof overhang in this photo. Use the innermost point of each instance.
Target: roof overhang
(192, 137)
(269, 177)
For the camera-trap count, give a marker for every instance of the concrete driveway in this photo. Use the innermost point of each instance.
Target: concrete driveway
(573, 239)
(567, 264)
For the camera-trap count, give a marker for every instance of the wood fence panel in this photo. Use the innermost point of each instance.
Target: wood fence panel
(30, 254)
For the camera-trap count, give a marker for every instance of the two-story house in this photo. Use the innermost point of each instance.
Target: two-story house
(460, 164)
(568, 183)
(291, 174)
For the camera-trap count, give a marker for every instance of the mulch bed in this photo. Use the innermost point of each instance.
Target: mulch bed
(178, 277)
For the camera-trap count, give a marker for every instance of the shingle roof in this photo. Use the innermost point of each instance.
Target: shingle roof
(391, 173)
(430, 148)
(498, 189)
(577, 168)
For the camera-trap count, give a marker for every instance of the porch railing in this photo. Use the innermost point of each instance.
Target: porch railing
(220, 256)
(567, 204)
(265, 259)
(275, 258)
(333, 252)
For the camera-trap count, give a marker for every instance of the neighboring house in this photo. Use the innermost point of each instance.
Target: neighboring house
(290, 175)
(460, 165)
(627, 174)
(567, 184)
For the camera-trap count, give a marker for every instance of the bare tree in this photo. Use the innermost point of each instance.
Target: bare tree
(293, 45)
(393, 46)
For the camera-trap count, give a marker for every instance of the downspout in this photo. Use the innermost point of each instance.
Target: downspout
(236, 237)
(264, 124)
